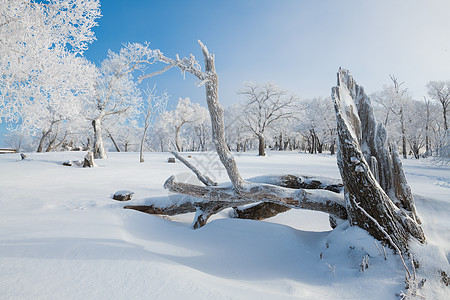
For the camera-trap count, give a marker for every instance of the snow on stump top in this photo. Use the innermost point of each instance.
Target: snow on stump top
(123, 195)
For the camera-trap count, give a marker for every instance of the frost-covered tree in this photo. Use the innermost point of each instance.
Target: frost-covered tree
(287, 136)
(40, 64)
(236, 134)
(266, 105)
(186, 113)
(318, 125)
(440, 92)
(395, 101)
(202, 134)
(117, 92)
(153, 106)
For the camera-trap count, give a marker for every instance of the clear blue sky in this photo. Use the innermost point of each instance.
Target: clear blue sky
(296, 44)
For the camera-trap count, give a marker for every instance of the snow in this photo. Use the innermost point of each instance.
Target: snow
(63, 237)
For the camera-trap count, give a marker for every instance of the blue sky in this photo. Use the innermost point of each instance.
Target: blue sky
(299, 45)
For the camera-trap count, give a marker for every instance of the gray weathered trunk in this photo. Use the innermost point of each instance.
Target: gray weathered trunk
(113, 141)
(217, 120)
(262, 145)
(40, 147)
(372, 176)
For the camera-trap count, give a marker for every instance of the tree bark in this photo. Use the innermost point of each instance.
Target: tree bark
(319, 200)
(444, 109)
(368, 204)
(403, 125)
(257, 211)
(177, 138)
(141, 147)
(217, 119)
(262, 145)
(113, 141)
(99, 149)
(52, 144)
(45, 134)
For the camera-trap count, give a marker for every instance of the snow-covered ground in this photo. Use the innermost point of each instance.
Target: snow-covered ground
(63, 237)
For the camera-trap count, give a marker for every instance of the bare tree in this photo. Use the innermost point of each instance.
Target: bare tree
(366, 202)
(440, 91)
(400, 96)
(395, 100)
(427, 126)
(116, 91)
(266, 104)
(186, 113)
(154, 106)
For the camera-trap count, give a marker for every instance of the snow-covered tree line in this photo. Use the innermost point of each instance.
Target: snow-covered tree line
(55, 99)
(286, 122)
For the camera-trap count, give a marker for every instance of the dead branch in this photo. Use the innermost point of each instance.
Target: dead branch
(319, 200)
(203, 178)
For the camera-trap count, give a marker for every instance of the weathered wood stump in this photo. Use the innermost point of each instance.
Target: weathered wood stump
(89, 160)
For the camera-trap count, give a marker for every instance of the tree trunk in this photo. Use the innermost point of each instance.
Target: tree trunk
(177, 139)
(262, 145)
(427, 128)
(402, 120)
(89, 160)
(52, 144)
(141, 148)
(368, 204)
(99, 149)
(42, 141)
(217, 120)
(114, 142)
(444, 109)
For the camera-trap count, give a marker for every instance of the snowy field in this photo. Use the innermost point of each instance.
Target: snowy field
(62, 236)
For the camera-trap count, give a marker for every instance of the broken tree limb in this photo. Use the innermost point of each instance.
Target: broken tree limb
(319, 200)
(203, 178)
(246, 208)
(264, 210)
